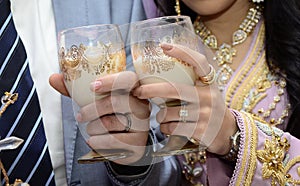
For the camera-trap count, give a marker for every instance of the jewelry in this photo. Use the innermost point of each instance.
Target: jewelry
(257, 1)
(7, 99)
(191, 168)
(183, 113)
(256, 57)
(177, 8)
(235, 143)
(210, 77)
(225, 52)
(129, 123)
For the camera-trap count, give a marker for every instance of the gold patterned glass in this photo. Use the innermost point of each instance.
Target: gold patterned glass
(153, 66)
(85, 54)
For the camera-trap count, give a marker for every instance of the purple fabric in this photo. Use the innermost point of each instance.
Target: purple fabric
(150, 9)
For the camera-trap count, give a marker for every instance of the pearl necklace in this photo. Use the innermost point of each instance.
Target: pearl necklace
(224, 54)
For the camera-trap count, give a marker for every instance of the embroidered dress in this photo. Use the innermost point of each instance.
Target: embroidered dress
(267, 155)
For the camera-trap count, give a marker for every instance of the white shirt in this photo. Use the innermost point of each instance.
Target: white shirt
(34, 21)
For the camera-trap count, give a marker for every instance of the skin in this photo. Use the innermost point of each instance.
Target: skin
(105, 129)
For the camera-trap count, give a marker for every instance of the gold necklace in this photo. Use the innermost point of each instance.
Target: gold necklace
(224, 53)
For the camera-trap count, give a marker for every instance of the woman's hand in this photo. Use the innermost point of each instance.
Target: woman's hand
(209, 121)
(108, 118)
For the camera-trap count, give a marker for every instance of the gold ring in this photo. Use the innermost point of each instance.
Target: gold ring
(183, 113)
(210, 77)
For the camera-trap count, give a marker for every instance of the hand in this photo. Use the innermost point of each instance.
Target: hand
(57, 82)
(209, 121)
(107, 117)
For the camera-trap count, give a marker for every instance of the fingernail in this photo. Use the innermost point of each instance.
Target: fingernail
(96, 85)
(166, 46)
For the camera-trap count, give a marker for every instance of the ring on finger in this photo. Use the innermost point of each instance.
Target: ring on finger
(183, 113)
(129, 122)
(210, 77)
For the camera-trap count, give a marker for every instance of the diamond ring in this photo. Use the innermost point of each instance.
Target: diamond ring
(183, 113)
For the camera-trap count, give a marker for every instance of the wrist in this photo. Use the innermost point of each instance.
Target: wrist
(222, 143)
(138, 166)
(232, 154)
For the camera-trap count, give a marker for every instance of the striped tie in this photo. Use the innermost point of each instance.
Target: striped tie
(31, 161)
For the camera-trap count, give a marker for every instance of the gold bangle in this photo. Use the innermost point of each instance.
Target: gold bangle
(210, 77)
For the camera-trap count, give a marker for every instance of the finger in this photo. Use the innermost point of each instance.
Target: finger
(114, 104)
(167, 90)
(134, 142)
(57, 82)
(118, 140)
(187, 129)
(117, 123)
(106, 124)
(172, 114)
(125, 81)
(194, 58)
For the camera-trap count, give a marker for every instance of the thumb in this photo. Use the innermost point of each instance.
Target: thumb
(57, 82)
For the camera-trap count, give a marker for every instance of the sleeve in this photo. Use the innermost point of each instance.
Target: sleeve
(267, 155)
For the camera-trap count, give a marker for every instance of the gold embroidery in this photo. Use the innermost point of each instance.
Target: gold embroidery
(241, 75)
(254, 91)
(272, 158)
(257, 93)
(248, 164)
(248, 82)
(288, 166)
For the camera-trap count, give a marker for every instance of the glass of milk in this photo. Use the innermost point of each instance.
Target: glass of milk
(153, 66)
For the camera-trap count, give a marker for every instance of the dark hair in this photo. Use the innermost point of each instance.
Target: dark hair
(282, 22)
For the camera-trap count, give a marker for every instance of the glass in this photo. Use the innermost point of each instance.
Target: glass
(153, 66)
(85, 54)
